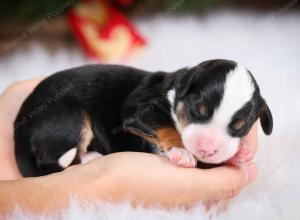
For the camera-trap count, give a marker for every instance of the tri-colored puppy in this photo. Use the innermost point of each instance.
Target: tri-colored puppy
(193, 114)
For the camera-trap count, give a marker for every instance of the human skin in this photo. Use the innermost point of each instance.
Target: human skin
(137, 177)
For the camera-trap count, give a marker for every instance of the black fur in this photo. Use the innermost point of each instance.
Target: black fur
(118, 99)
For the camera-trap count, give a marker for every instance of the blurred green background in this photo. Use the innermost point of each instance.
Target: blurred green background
(19, 11)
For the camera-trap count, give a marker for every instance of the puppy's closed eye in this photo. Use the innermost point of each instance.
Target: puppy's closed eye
(203, 109)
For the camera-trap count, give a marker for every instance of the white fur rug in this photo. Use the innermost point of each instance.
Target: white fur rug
(268, 44)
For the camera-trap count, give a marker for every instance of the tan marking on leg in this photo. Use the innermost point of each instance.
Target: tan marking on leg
(168, 137)
(165, 138)
(142, 135)
(86, 135)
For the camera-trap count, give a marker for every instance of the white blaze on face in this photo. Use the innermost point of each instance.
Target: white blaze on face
(211, 142)
(238, 91)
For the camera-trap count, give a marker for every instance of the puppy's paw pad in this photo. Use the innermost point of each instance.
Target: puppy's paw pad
(181, 157)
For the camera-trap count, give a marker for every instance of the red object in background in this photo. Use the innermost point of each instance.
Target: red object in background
(104, 32)
(125, 2)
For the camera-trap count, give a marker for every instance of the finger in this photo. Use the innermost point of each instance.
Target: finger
(209, 204)
(218, 205)
(8, 165)
(227, 181)
(250, 140)
(242, 157)
(223, 205)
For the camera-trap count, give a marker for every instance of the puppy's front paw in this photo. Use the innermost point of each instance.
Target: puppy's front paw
(181, 157)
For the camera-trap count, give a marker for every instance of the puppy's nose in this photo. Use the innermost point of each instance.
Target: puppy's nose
(207, 152)
(206, 146)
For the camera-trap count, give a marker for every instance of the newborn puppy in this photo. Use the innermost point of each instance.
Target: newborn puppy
(193, 114)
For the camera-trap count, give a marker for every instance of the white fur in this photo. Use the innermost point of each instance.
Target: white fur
(89, 156)
(225, 145)
(268, 46)
(67, 158)
(238, 91)
(171, 94)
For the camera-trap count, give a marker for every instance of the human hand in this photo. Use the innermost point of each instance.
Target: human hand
(10, 102)
(153, 180)
(145, 177)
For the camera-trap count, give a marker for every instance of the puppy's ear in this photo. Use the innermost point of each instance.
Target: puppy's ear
(183, 84)
(266, 119)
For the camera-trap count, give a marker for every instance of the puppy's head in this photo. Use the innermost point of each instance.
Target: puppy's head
(215, 104)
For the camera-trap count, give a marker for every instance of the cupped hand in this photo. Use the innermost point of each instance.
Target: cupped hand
(152, 180)
(143, 177)
(10, 102)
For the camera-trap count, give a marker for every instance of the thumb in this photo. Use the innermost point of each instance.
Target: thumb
(227, 181)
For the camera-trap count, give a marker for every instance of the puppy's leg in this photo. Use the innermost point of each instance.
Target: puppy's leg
(79, 153)
(146, 112)
(168, 140)
(55, 139)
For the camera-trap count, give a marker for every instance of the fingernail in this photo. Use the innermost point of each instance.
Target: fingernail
(251, 173)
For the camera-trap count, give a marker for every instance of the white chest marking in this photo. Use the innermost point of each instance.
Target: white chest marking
(171, 98)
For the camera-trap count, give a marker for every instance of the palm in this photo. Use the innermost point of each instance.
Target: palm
(13, 97)
(10, 102)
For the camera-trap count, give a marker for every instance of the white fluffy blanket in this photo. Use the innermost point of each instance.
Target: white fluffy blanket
(268, 44)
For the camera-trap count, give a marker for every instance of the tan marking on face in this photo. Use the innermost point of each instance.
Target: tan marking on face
(182, 118)
(86, 135)
(203, 109)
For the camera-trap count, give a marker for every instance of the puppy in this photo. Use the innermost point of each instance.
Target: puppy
(193, 114)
